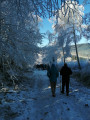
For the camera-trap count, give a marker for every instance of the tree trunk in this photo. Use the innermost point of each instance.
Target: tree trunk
(79, 66)
(63, 55)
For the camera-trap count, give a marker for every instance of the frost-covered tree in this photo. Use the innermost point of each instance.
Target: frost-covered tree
(86, 22)
(19, 38)
(86, 30)
(20, 34)
(51, 52)
(60, 42)
(63, 40)
(69, 19)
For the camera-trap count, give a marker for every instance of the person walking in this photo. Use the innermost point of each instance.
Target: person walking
(53, 73)
(65, 72)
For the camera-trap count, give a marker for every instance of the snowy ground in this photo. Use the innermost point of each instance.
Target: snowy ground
(33, 101)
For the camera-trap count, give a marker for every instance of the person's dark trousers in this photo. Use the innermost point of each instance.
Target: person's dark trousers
(67, 87)
(53, 87)
(63, 84)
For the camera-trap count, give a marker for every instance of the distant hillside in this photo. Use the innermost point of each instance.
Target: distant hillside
(83, 50)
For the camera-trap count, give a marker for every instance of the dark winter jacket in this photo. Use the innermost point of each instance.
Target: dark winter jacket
(65, 72)
(53, 73)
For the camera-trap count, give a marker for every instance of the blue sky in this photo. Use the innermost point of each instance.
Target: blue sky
(46, 25)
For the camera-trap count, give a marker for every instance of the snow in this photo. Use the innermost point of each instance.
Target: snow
(33, 100)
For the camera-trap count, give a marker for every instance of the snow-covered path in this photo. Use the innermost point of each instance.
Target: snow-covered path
(35, 102)
(61, 107)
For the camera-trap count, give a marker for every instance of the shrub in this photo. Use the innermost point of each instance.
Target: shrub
(83, 75)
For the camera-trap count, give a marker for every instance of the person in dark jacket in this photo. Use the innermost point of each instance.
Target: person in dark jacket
(65, 72)
(53, 78)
